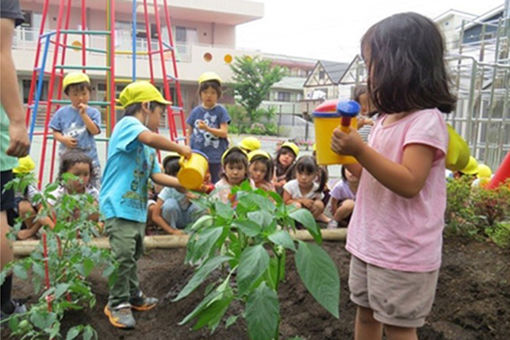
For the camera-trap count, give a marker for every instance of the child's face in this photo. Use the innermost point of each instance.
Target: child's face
(305, 180)
(366, 104)
(235, 172)
(78, 96)
(258, 171)
(286, 158)
(350, 177)
(209, 97)
(154, 118)
(82, 171)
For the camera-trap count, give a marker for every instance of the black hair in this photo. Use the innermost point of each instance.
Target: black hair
(268, 162)
(279, 170)
(72, 157)
(210, 83)
(236, 156)
(405, 64)
(344, 176)
(358, 91)
(79, 86)
(132, 109)
(308, 164)
(172, 166)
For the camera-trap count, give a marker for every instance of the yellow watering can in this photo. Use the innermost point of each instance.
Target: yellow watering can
(193, 170)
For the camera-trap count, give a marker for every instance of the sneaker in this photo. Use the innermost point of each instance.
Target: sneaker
(19, 307)
(120, 316)
(140, 302)
(332, 224)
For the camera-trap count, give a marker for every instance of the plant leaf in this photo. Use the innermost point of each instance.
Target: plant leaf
(231, 320)
(282, 238)
(224, 210)
(319, 274)
(20, 271)
(43, 319)
(250, 228)
(200, 275)
(212, 315)
(60, 289)
(73, 332)
(203, 221)
(262, 218)
(205, 241)
(253, 263)
(305, 217)
(262, 313)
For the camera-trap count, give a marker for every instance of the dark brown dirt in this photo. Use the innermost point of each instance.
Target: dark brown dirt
(472, 301)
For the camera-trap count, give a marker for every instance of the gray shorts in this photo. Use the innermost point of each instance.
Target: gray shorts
(397, 298)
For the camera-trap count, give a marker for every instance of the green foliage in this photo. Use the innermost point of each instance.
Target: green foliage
(241, 121)
(253, 78)
(249, 242)
(69, 262)
(478, 212)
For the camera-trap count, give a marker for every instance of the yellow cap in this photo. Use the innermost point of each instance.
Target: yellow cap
(75, 78)
(484, 171)
(209, 76)
(139, 92)
(250, 143)
(471, 168)
(230, 150)
(169, 156)
(457, 155)
(258, 152)
(25, 165)
(291, 146)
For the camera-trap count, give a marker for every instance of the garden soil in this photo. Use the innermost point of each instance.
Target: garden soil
(472, 301)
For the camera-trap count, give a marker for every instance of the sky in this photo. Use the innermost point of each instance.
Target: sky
(332, 29)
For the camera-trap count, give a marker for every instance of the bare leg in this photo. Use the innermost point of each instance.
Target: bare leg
(366, 327)
(344, 210)
(400, 333)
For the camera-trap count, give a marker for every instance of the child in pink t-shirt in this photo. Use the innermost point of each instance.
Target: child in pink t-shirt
(395, 232)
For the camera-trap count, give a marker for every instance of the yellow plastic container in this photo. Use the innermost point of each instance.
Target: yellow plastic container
(193, 170)
(326, 119)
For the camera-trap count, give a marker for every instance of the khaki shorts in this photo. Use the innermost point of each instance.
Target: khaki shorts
(397, 298)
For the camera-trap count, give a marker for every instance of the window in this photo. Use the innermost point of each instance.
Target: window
(26, 90)
(283, 96)
(322, 75)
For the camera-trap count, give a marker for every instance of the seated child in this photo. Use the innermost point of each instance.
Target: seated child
(173, 209)
(285, 157)
(235, 171)
(304, 191)
(261, 169)
(249, 144)
(343, 196)
(26, 207)
(368, 110)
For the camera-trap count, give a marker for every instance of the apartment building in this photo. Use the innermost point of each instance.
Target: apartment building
(204, 34)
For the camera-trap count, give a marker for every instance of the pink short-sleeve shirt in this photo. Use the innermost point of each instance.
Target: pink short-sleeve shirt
(391, 231)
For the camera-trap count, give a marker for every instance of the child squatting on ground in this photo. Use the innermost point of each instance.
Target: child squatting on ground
(75, 125)
(285, 157)
(123, 196)
(395, 232)
(208, 123)
(235, 171)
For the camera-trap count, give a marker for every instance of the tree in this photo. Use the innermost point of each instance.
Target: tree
(253, 78)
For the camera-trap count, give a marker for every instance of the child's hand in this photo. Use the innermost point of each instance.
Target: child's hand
(365, 121)
(185, 151)
(83, 108)
(347, 143)
(176, 232)
(69, 141)
(202, 125)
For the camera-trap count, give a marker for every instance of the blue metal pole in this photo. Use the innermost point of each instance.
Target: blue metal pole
(133, 36)
(39, 86)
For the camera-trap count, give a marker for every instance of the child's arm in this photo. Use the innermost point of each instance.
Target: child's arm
(405, 179)
(92, 128)
(188, 136)
(161, 222)
(334, 205)
(302, 202)
(159, 142)
(166, 180)
(68, 141)
(222, 132)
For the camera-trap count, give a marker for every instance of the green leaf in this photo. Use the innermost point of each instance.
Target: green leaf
(231, 320)
(88, 265)
(262, 218)
(212, 315)
(60, 289)
(203, 221)
(305, 217)
(282, 238)
(73, 332)
(20, 271)
(205, 242)
(89, 333)
(200, 275)
(262, 313)
(250, 228)
(319, 274)
(224, 210)
(253, 263)
(262, 202)
(38, 269)
(43, 319)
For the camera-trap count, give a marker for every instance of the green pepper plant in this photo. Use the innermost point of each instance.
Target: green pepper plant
(246, 244)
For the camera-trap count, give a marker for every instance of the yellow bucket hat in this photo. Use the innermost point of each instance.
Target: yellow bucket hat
(471, 168)
(457, 155)
(209, 76)
(75, 78)
(483, 171)
(230, 150)
(170, 155)
(250, 143)
(291, 146)
(25, 165)
(259, 152)
(139, 92)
